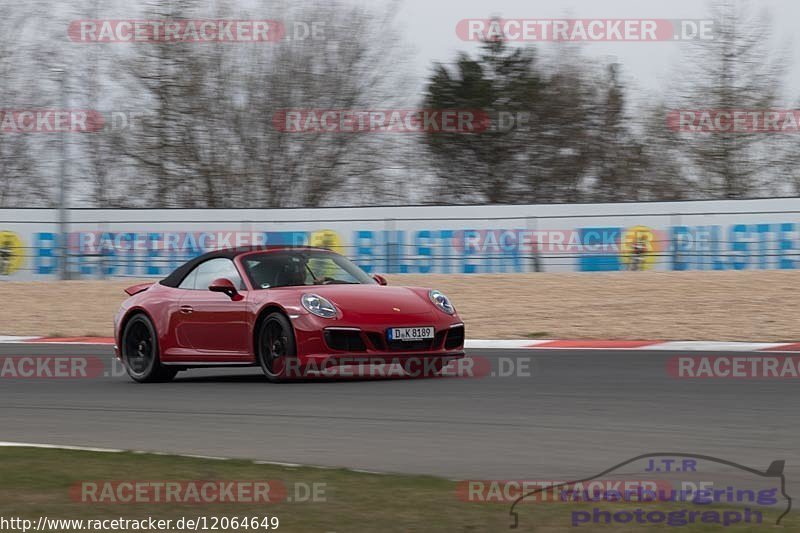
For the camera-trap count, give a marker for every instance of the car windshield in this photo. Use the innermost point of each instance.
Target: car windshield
(302, 268)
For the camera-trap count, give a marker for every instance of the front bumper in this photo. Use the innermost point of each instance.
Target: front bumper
(338, 342)
(331, 360)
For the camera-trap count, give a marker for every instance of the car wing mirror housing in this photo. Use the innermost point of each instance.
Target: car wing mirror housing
(380, 279)
(225, 286)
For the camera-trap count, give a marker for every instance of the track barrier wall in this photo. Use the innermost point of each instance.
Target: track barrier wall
(676, 236)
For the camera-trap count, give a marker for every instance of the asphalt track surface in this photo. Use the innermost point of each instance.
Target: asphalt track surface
(578, 413)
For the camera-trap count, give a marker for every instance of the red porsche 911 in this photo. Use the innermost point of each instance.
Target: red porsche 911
(285, 309)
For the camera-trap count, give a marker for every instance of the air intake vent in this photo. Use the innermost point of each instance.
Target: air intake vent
(344, 340)
(455, 338)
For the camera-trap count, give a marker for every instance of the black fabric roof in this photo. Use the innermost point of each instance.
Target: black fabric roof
(177, 276)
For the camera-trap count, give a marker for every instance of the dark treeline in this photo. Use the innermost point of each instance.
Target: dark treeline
(194, 125)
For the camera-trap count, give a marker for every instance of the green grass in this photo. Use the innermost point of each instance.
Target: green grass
(36, 482)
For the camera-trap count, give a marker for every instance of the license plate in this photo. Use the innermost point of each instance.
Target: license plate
(411, 334)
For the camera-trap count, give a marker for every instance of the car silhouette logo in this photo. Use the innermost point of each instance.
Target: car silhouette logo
(774, 472)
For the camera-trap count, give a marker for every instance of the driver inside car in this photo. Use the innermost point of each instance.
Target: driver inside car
(294, 273)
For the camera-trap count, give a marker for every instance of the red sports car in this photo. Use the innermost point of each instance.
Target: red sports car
(293, 311)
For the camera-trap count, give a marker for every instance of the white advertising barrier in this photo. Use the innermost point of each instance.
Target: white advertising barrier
(713, 235)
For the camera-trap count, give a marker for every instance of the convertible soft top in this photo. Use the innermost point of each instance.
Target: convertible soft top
(177, 276)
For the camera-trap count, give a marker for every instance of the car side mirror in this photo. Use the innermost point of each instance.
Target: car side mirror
(224, 285)
(380, 279)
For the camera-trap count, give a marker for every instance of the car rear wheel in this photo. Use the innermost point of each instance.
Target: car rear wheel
(140, 352)
(276, 347)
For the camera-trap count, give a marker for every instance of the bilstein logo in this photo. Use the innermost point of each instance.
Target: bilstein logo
(12, 253)
(639, 248)
(328, 239)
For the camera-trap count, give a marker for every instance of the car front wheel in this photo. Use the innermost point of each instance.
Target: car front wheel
(276, 347)
(140, 352)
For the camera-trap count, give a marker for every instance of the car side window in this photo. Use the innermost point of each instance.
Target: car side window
(214, 269)
(188, 281)
(201, 277)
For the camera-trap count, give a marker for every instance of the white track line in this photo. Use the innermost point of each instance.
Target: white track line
(4, 339)
(686, 346)
(508, 344)
(692, 346)
(60, 447)
(5, 444)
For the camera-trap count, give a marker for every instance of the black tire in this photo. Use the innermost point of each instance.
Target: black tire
(276, 345)
(139, 349)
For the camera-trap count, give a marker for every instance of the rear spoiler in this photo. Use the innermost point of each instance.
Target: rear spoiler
(136, 289)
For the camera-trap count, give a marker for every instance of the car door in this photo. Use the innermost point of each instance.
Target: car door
(211, 323)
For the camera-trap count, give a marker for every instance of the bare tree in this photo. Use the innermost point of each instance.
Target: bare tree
(734, 71)
(210, 139)
(20, 186)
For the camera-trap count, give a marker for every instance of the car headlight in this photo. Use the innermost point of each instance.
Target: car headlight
(317, 305)
(442, 302)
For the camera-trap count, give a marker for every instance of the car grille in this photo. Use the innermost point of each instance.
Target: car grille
(344, 340)
(377, 341)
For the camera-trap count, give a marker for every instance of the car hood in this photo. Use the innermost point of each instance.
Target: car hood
(376, 301)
